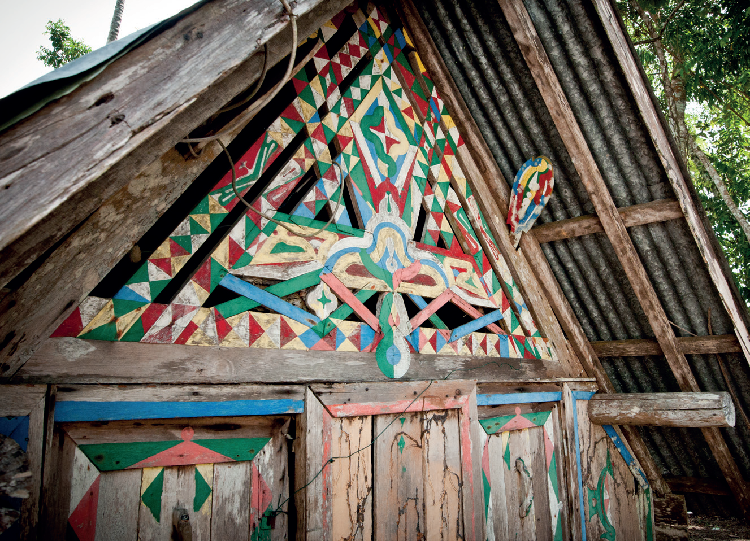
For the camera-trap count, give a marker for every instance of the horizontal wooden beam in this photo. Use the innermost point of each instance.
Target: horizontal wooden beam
(662, 409)
(690, 345)
(646, 213)
(698, 485)
(72, 360)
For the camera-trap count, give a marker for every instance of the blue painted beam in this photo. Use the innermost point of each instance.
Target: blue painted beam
(121, 411)
(517, 398)
(272, 302)
(475, 325)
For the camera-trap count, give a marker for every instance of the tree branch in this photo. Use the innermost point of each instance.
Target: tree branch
(663, 28)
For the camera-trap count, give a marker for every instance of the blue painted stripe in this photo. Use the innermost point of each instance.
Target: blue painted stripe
(583, 395)
(268, 300)
(578, 462)
(475, 325)
(16, 428)
(117, 411)
(419, 301)
(517, 398)
(620, 446)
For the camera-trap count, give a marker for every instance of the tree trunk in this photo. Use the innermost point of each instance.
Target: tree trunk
(114, 27)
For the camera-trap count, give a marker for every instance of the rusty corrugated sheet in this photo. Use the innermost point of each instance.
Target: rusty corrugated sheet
(488, 68)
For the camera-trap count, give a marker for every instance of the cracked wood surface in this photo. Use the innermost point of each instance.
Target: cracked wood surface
(352, 479)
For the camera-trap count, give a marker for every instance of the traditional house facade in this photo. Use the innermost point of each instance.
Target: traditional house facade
(271, 271)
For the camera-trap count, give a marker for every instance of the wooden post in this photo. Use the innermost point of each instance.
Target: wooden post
(663, 409)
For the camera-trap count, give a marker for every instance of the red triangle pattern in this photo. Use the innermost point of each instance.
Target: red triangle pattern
(83, 518)
(71, 327)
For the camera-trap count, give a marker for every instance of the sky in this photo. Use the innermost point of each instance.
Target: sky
(22, 27)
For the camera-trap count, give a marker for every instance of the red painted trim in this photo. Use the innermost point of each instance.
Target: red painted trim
(399, 406)
(346, 296)
(431, 308)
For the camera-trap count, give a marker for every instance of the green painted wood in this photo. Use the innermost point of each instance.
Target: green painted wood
(238, 449)
(202, 491)
(152, 495)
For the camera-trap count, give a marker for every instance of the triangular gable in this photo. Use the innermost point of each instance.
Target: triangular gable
(407, 243)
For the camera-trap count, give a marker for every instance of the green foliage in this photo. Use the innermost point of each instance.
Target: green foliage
(64, 47)
(706, 51)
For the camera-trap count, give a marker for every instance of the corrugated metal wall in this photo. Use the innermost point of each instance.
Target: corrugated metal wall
(486, 64)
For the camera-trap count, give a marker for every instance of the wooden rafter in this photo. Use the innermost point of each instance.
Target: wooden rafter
(29, 314)
(675, 173)
(646, 213)
(554, 97)
(693, 345)
(553, 311)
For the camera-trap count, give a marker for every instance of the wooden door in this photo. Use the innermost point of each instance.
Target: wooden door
(393, 461)
(183, 478)
(520, 466)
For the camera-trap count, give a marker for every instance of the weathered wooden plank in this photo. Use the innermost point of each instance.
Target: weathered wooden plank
(540, 483)
(313, 453)
(171, 429)
(380, 398)
(100, 135)
(58, 467)
(521, 509)
(663, 409)
(117, 513)
(230, 517)
(30, 316)
(488, 412)
(271, 466)
(676, 172)
(72, 360)
(441, 455)
(605, 476)
(471, 450)
(35, 449)
(689, 345)
(645, 213)
(153, 521)
(182, 393)
(698, 485)
(399, 502)
(19, 400)
(492, 193)
(571, 469)
(352, 478)
(501, 519)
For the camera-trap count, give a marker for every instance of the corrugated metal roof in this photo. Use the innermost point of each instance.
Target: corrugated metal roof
(484, 60)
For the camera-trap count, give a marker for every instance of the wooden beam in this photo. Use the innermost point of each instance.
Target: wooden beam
(645, 213)
(677, 174)
(698, 485)
(690, 345)
(554, 97)
(60, 164)
(529, 265)
(670, 518)
(662, 409)
(72, 360)
(31, 313)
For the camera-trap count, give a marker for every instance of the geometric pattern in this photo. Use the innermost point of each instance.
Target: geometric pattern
(368, 105)
(502, 426)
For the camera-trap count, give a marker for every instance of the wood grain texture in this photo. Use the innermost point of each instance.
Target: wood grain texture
(444, 483)
(502, 520)
(273, 468)
(698, 485)
(117, 512)
(540, 483)
(570, 464)
(159, 92)
(58, 467)
(689, 345)
(352, 479)
(676, 172)
(35, 449)
(173, 393)
(72, 360)
(645, 213)
(171, 429)
(52, 292)
(312, 453)
(230, 518)
(19, 400)
(597, 452)
(663, 409)
(492, 192)
(399, 476)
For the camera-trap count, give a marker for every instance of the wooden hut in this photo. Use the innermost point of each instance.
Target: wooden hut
(259, 283)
